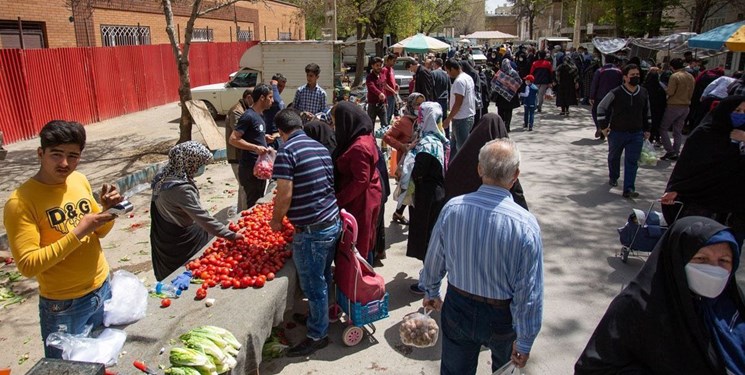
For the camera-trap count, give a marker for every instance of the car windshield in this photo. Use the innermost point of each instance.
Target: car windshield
(400, 65)
(244, 79)
(476, 50)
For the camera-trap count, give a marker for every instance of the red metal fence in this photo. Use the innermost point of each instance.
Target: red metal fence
(91, 84)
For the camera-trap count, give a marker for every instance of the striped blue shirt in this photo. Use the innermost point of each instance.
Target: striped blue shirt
(308, 165)
(311, 100)
(491, 247)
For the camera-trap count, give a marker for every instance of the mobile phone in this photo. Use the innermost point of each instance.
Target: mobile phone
(124, 207)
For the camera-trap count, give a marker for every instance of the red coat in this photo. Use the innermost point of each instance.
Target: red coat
(359, 189)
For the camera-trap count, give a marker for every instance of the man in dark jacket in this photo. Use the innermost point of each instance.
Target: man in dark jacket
(423, 81)
(624, 117)
(604, 80)
(442, 86)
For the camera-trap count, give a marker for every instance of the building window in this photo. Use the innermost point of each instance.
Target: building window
(285, 36)
(202, 35)
(121, 35)
(34, 34)
(245, 35)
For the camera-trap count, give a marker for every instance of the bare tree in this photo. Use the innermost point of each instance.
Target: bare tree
(701, 10)
(529, 9)
(199, 8)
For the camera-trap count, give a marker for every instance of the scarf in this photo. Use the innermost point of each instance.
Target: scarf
(184, 160)
(430, 135)
(321, 132)
(506, 82)
(656, 323)
(411, 103)
(350, 122)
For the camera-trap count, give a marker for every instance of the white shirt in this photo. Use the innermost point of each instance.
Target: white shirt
(718, 87)
(463, 85)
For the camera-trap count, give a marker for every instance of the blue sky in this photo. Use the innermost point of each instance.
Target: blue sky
(491, 4)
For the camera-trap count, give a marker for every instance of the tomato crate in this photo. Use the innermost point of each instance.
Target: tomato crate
(361, 314)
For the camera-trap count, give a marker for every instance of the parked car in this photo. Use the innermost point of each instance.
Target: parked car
(219, 97)
(403, 75)
(478, 56)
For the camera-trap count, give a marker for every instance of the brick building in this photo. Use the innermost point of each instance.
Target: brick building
(57, 23)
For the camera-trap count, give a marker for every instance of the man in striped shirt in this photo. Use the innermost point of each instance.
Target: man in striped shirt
(491, 250)
(305, 194)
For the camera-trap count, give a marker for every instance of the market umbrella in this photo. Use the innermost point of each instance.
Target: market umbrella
(731, 36)
(420, 43)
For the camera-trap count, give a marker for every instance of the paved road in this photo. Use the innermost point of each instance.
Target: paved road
(564, 175)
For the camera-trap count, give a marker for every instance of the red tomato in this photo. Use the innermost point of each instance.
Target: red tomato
(225, 284)
(259, 282)
(236, 283)
(270, 276)
(165, 302)
(201, 294)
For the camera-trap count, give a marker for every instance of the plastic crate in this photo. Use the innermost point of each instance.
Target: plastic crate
(363, 314)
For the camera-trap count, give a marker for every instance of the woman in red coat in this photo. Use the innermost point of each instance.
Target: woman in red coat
(357, 181)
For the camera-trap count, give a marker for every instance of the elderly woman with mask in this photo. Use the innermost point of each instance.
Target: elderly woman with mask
(180, 226)
(682, 314)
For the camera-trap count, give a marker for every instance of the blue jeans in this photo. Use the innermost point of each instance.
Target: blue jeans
(71, 315)
(313, 252)
(390, 103)
(629, 143)
(529, 116)
(466, 326)
(461, 129)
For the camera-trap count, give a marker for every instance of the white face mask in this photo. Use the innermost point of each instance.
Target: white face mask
(706, 280)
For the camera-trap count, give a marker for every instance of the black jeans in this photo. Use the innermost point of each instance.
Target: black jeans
(254, 187)
(379, 111)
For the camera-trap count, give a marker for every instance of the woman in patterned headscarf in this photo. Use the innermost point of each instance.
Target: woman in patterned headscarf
(505, 85)
(180, 226)
(424, 172)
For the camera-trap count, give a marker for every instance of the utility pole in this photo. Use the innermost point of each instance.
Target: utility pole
(335, 30)
(577, 23)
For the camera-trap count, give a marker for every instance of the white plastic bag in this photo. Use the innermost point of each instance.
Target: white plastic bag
(649, 155)
(103, 349)
(128, 302)
(419, 330)
(509, 369)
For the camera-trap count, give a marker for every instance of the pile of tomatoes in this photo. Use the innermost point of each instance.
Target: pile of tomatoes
(246, 263)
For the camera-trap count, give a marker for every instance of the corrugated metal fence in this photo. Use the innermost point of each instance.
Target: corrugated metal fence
(91, 84)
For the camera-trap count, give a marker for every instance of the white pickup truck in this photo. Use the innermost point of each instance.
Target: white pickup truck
(261, 61)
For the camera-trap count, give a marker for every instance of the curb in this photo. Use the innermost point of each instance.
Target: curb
(129, 181)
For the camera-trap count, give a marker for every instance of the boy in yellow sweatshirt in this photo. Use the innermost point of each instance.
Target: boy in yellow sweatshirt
(53, 225)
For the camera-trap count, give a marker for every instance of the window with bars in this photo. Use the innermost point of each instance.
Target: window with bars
(202, 35)
(123, 35)
(245, 35)
(285, 36)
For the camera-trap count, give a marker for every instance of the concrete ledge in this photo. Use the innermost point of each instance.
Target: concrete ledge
(129, 181)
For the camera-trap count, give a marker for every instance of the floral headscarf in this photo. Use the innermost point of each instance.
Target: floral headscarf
(431, 135)
(184, 160)
(411, 103)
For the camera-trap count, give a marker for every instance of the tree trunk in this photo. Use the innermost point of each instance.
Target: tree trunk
(360, 69)
(531, 21)
(655, 17)
(620, 18)
(184, 94)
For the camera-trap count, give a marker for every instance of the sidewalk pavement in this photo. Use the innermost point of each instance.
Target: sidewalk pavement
(564, 175)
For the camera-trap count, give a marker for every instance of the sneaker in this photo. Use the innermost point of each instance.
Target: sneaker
(613, 182)
(415, 289)
(672, 155)
(307, 347)
(630, 194)
(530, 129)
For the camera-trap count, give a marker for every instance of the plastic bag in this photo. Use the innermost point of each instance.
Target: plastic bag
(419, 330)
(265, 165)
(128, 302)
(649, 155)
(509, 369)
(103, 349)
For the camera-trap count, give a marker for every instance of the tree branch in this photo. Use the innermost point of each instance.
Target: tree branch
(220, 5)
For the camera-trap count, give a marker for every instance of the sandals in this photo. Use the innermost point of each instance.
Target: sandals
(400, 219)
